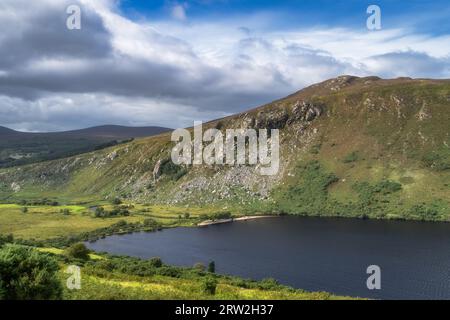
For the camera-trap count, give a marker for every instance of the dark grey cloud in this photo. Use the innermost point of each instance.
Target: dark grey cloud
(39, 32)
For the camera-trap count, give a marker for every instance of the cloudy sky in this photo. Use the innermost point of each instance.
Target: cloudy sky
(168, 63)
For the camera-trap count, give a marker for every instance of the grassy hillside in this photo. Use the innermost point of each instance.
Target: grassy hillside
(353, 147)
(105, 277)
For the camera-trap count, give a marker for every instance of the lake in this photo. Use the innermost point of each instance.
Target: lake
(315, 254)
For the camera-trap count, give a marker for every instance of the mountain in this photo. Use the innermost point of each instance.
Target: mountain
(18, 148)
(6, 131)
(350, 147)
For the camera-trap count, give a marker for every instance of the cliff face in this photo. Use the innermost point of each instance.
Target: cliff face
(349, 147)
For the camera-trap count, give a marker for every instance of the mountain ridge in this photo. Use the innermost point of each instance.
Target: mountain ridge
(18, 148)
(97, 130)
(350, 147)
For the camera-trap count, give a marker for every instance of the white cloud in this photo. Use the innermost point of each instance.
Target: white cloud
(178, 12)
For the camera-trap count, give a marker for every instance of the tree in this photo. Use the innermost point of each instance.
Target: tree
(187, 215)
(209, 285)
(24, 210)
(212, 267)
(78, 251)
(26, 274)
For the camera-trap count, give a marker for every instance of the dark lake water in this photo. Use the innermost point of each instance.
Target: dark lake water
(310, 253)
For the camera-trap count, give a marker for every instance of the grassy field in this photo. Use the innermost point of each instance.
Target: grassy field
(47, 222)
(166, 288)
(99, 283)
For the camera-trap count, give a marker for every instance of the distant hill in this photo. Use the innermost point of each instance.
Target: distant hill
(5, 131)
(18, 148)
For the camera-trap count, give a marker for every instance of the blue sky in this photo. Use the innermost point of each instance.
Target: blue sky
(171, 62)
(429, 16)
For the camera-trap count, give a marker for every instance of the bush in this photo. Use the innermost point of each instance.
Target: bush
(78, 251)
(26, 274)
(6, 239)
(352, 157)
(438, 160)
(268, 284)
(117, 201)
(156, 262)
(209, 285)
(221, 215)
(65, 212)
(387, 187)
(24, 210)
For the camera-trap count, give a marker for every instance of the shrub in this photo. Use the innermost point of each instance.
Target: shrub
(438, 160)
(387, 187)
(24, 210)
(78, 251)
(221, 215)
(65, 212)
(209, 285)
(6, 239)
(27, 274)
(156, 262)
(351, 157)
(268, 284)
(117, 201)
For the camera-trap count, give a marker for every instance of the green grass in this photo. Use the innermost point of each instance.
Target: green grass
(105, 278)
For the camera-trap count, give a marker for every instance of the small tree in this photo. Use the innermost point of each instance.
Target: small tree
(78, 251)
(209, 285)
(26, 274)
(187, 215)
(212, 267)
(24, 210)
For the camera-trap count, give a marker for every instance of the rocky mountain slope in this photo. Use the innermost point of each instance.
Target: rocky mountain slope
(362, 147)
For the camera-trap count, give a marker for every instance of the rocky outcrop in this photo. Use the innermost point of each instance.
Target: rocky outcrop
(157, 170)
(282, 116)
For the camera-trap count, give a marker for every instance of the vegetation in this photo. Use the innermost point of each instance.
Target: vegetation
(438, 160)
(26, 274)
(212, 267)
(380, 152)
(77, 251)
(209, 285)
(351, 157)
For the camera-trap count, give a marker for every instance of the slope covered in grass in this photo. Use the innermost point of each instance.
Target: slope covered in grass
(357, 147)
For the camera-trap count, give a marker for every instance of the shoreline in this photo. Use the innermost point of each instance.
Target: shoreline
(222, 221)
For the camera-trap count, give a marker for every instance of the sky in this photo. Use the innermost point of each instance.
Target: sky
(170, 63)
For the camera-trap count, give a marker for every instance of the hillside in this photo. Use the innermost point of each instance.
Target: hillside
(18, 148)
(359, 147)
